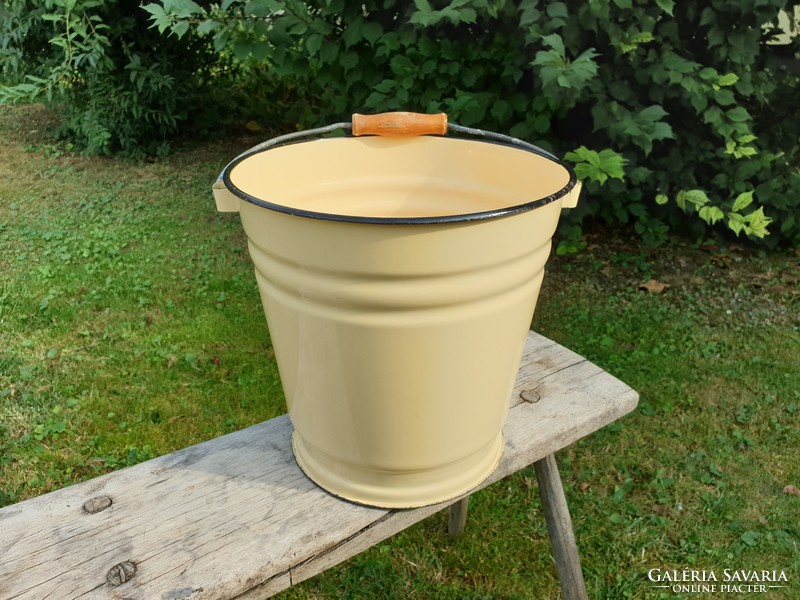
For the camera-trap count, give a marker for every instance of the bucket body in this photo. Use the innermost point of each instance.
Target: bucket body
(398, 317)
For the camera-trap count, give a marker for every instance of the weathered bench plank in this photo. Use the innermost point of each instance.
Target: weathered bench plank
(235, 517)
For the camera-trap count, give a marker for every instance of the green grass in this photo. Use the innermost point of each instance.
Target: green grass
(131, 326)
(129, 317)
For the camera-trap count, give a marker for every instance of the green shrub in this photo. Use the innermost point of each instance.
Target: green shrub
(118, 85)
(677, 115)
(666, 108)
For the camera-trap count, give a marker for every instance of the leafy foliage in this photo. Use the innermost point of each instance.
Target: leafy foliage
(672, 98)
(659, 103)
(118, 85)
(597, 166)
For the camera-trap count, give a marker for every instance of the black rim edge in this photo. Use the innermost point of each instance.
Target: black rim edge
(506, 141)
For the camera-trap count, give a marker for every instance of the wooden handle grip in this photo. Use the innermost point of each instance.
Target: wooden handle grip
(399, 123)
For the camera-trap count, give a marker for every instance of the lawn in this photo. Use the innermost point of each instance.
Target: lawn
(131, 326)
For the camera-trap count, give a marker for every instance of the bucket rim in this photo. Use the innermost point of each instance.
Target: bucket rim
(529, 205)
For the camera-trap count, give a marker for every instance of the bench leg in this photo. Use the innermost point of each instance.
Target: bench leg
(458, 517)
(559, 526)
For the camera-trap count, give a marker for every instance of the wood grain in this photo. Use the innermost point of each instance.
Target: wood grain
(400, 124)
(235, 517)
(457, 519)
(559, 527)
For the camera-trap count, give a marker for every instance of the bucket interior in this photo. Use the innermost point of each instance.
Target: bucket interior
(398, 178)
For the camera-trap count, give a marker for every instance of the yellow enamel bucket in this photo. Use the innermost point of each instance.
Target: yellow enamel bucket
(399, 274)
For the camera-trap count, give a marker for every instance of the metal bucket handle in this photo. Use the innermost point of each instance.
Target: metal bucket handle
(385, 124)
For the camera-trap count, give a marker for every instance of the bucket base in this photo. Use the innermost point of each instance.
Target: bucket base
(397, 488)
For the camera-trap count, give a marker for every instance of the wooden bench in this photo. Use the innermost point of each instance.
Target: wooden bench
(235, 517)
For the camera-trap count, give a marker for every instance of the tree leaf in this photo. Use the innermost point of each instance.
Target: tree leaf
(758, 222)
(734, 224)
(708, 73)
(711, 214)
(180, 29)
(313, 44)
(654, 286)
(386, 86)
(207, 26)
(593, 166)
(328, 52)
(423, 6)
(557, 10)
(724, 97)
(652, 113)
(401, 64)
(677, 63)
(555, 42)
(642, 37)
(529, 14)
(352, 35)
(742, 201)
(372, 32)
(612, 164)
(666, 5)
(738, 114)
(348, 60)
(662, 131)
(501, 110)
(697, 198)
(153, 8)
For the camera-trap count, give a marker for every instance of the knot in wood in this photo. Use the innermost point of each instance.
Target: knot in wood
(97, 504)
(119, 574)
(530, 395)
